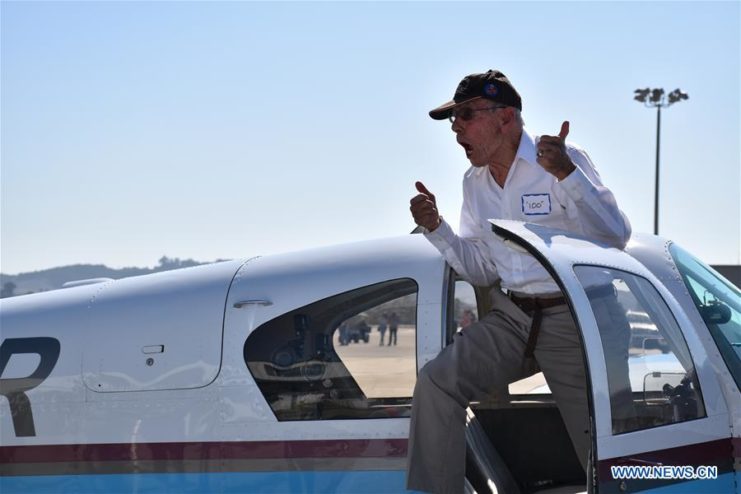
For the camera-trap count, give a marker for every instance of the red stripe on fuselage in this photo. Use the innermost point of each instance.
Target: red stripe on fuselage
(718, 453)
(328, 448)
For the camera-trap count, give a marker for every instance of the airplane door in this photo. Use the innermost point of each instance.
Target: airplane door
(659, 420)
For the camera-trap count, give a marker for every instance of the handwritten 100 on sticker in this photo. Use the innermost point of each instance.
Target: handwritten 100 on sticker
(536, 204)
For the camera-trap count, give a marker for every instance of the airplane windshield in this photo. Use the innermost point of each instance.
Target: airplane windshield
(719, 304)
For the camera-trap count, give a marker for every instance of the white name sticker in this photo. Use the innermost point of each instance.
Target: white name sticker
(533, 204)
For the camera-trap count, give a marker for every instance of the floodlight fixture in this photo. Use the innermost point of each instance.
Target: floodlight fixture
(641, 95)
(676, 96)
(656, 95)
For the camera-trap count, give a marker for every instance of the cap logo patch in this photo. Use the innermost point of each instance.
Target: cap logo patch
(490, 90)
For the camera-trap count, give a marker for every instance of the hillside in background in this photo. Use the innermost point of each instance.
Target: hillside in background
(53, 278)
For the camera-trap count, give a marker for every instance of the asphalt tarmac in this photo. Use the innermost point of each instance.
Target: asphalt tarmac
(389, 371)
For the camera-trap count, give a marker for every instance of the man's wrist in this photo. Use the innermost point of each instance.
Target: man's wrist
(439, 222)
(564, 171)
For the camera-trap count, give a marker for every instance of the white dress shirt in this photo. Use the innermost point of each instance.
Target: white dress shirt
(579, 204)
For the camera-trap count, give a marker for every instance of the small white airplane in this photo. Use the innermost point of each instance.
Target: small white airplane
(236, 377)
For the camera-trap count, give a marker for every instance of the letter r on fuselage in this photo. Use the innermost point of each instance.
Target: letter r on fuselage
(14, 389)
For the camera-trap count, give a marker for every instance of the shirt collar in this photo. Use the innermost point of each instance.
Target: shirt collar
(526, 150)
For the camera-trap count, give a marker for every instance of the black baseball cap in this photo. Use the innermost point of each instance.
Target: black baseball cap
(492, 85)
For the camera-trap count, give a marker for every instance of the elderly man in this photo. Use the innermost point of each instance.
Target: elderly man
(513, 176)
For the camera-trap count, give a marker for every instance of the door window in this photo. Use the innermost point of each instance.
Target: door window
(464, 311)
(352, 355)
(650, 373)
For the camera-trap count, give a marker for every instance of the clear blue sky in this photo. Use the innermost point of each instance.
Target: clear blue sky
(222, 130)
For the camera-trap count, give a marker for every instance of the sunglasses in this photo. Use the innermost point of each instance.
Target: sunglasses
(466, 113)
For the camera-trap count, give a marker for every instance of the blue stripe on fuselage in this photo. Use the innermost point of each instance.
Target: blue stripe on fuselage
(356, 482)
(724, 484)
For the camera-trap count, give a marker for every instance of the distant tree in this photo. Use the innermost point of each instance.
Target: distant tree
(8, 289)
(166, 263)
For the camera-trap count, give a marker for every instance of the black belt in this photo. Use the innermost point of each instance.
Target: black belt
(537, 304)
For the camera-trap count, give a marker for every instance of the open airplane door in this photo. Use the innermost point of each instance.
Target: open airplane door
(659, 420)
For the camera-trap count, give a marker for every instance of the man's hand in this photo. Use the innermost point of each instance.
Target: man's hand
(552, 154)
(424, 208)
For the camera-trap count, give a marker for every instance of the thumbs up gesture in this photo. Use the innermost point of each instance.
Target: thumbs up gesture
(552, 154)
(424, 208)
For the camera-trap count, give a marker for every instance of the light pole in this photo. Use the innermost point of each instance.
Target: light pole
(655, 98)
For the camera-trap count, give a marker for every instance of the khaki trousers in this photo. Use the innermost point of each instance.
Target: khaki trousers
(484, 358)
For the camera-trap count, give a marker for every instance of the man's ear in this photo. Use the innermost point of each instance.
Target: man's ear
(506, 116)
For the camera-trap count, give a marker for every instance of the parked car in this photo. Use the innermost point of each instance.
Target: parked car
(355, 330)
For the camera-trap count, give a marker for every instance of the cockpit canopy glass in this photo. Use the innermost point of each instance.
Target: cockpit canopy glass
(719, 305)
